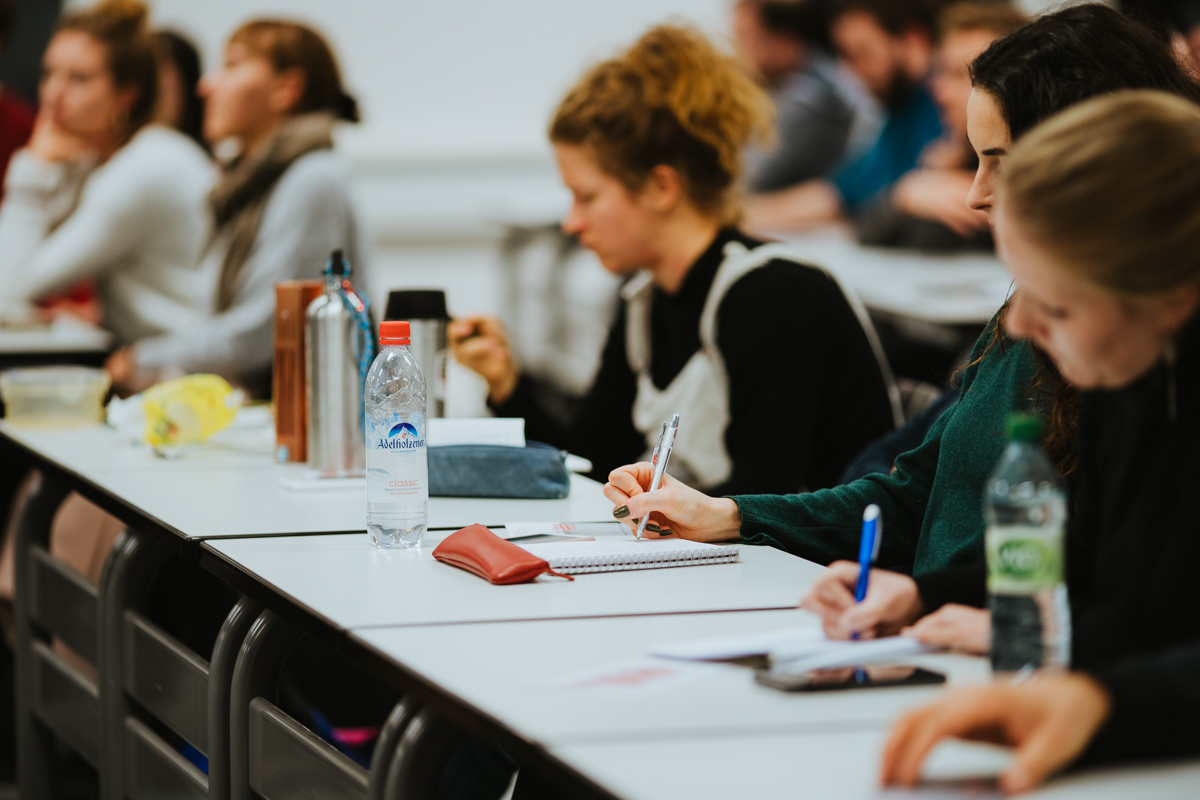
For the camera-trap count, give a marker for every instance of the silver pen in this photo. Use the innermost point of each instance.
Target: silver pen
(662, 454)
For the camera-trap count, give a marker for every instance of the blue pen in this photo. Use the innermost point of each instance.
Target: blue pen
(868, 550)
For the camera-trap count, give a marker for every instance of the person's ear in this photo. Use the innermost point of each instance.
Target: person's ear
(663, 188)
(1178, 306)
(286, 90)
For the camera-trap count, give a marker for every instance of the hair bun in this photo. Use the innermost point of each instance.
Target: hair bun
(129, 17)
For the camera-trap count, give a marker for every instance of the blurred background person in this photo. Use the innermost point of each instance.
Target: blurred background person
(179, 105)
(927, 208)
(101, 192)
(16, 115)
(726, 334)
(887, 44)
(785, 43)
(280, 207)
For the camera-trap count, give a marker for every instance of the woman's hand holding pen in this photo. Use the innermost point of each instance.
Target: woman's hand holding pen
(893, 605)
(674, 507)
(481, 344)
(892, 602)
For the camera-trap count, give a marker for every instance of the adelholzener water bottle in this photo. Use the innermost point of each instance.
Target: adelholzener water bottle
(1026, 514)
(397, 467)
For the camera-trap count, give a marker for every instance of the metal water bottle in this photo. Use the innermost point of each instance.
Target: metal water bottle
(338, 347)
(425, 312)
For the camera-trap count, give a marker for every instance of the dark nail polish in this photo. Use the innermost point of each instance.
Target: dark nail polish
(650, 526)
(621, 512)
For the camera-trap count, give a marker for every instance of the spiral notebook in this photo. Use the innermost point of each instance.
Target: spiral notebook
(575, 558)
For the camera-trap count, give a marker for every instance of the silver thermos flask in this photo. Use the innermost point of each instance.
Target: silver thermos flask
(338, 344)
(425, 311)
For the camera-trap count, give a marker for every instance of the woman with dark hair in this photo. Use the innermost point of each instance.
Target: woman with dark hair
(101, 192)
(1098, 224)
(281, 206)
(179, 102)
(931, 501)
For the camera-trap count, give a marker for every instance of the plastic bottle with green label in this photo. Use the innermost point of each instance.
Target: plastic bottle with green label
(1026, 512)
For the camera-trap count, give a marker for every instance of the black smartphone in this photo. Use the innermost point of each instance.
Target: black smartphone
(840, 678)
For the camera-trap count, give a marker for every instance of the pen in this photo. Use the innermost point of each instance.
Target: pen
(662, 454)
(868, 550)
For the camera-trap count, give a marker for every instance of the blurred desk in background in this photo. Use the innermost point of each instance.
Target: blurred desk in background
(929, 307)
(66, 340)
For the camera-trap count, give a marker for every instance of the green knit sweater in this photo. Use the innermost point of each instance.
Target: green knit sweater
(933, 503)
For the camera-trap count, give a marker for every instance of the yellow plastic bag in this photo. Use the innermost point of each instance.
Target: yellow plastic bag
(189, 409)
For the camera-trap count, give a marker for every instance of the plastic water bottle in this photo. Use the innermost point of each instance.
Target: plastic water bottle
(397, 466)
(1026, 514)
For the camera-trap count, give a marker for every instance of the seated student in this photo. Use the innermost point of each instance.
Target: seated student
(932, 500)
(101, 192)
(179, 102)
(784, 43)
(732, 335)
(16, 117)
(1097, 221)
(927, 207)
(886, 43)
(281, 207)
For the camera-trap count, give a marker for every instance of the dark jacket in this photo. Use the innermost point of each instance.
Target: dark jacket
(1133, 548)
(805, 390)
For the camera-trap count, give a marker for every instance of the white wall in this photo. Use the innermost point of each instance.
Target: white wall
(474, 78)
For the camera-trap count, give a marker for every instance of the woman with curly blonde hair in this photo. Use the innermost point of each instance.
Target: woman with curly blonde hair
(726, 330)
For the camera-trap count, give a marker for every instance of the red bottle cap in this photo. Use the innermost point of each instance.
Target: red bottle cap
(392, 333)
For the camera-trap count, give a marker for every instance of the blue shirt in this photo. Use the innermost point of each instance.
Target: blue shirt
(907, 130)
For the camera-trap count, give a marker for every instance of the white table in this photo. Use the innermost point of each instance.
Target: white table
(516, 672)
(834, 765)
(66, 334)
(232, 488)
(935, 287)
(351, 583)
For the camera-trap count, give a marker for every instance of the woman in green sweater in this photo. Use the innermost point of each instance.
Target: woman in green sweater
(932, 501)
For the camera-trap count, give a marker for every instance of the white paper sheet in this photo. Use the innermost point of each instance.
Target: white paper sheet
(500, 431)
(724, 648)
(516, 530)
(800, 658)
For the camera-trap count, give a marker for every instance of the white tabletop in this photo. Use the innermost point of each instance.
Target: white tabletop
(529, 675)
(66, 334)
(231, 487)
(352, 583)
(945, 288)
(835, 765)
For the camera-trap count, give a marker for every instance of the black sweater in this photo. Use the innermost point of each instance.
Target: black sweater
(806, 393)
(1133, 547)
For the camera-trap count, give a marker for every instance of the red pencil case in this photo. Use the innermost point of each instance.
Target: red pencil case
(496, 560)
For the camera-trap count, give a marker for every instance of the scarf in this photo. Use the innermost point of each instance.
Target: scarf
(239, 199)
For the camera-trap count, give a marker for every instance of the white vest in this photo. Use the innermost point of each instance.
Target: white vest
(700, 392)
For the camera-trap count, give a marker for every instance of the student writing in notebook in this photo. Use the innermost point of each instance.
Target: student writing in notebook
(932, 500)
(765, 359)
(1098, 223)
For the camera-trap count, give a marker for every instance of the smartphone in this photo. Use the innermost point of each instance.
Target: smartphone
(826, 680)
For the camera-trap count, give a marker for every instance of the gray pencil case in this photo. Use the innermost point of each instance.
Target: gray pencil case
(535, 471)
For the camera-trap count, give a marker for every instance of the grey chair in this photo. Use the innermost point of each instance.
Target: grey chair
(275, 757)
(149, 679)
(55, 699)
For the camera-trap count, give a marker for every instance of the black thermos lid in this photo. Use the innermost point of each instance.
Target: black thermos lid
(408, 304)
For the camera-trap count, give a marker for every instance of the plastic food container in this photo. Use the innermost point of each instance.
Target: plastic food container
(54, 396)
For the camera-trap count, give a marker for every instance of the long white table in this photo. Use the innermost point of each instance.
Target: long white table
(233, 488)
(66, 334)
(838, 765)
(558, 682)
(352, 584)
